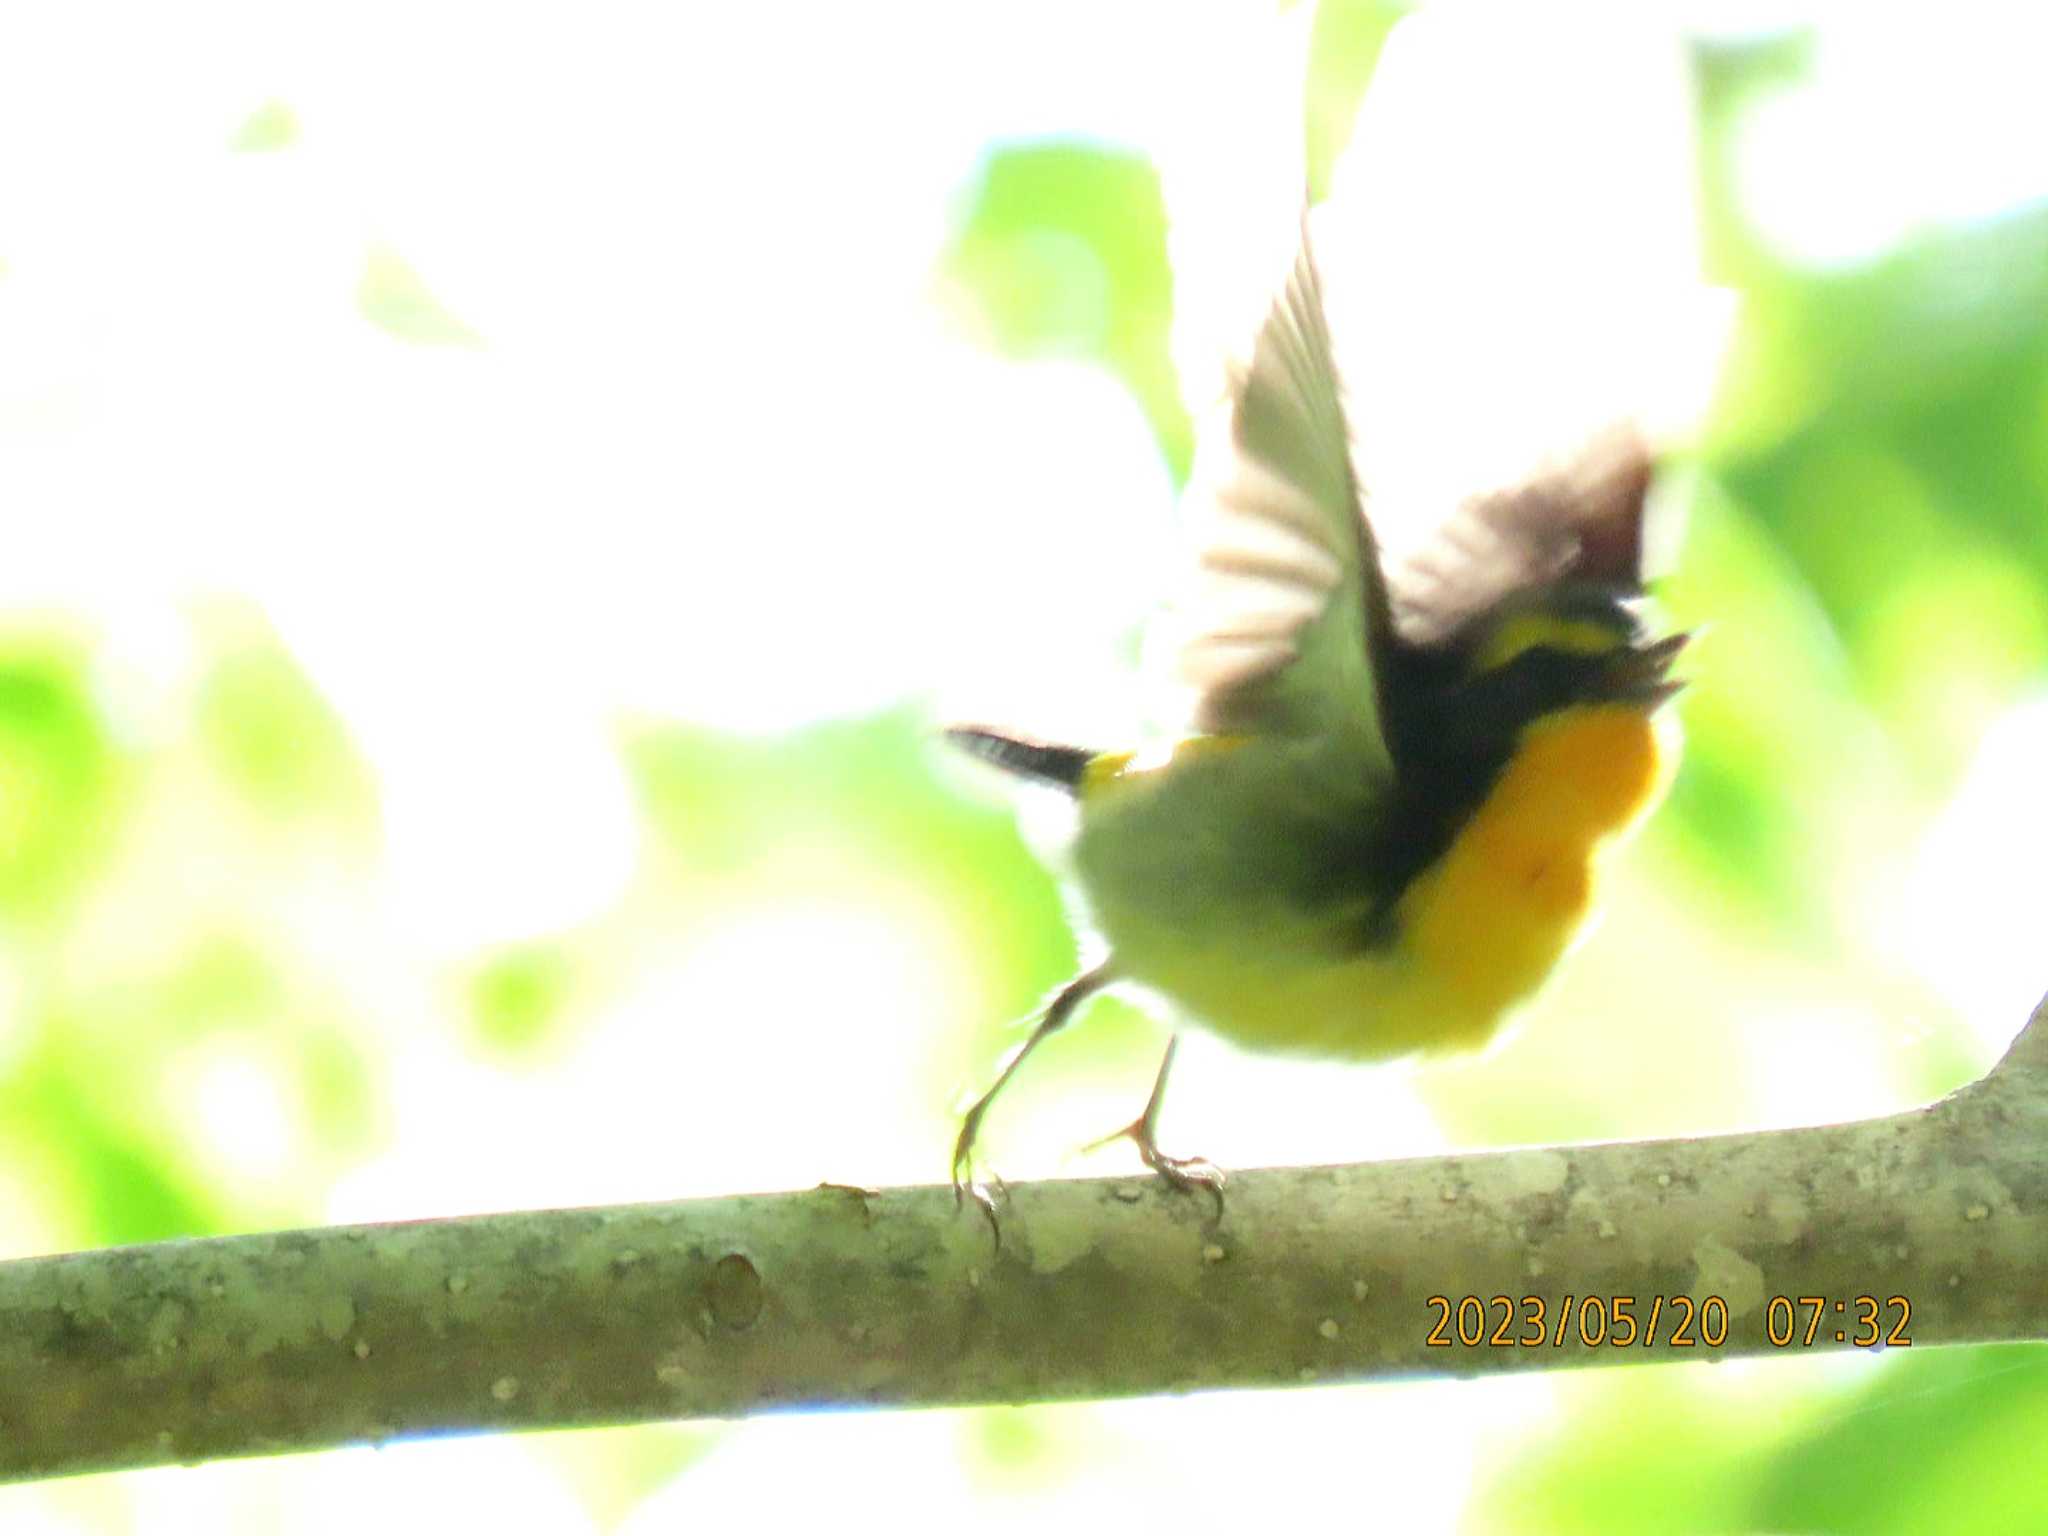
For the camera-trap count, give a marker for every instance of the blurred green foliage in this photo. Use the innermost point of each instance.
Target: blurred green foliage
(1063, 252)
(871, 797)
(271, 126)
(60, 778)
(396, 299)
(1940, 1442)
(125, 975)
(1904, 485)
(270, 733)
(116, 1176)
(517, 998)
(1345, 46)
(1927, 1441)
(1945, 1441)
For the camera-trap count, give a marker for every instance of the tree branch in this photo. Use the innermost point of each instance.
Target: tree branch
(236, 1346)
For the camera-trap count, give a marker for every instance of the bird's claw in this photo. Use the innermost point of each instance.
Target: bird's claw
(967, 1187)
(1182, 1174)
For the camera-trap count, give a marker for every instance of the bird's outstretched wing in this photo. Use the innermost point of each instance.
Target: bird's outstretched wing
(1287, 618)
(1579, 518)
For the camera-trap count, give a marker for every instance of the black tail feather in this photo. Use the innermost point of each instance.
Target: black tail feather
(1028, 759)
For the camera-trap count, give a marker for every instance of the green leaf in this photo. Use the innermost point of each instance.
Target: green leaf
(1343, 51)
(269, 731)
(57, 779)
(873, 796)
(394, 298)
(1063, 253)
(1664, 1451)
(1944, 1440)
(118, 1176)
(271, 126)
(517, 998)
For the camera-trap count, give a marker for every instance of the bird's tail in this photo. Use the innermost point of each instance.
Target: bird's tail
(1063, 766)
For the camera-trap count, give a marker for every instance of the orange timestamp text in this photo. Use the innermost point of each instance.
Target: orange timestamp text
(1799, 1322)
(1616, 1322)
(1677, 1322)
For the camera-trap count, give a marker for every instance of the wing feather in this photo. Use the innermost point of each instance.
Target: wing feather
(1290, 619)
(1579, 518)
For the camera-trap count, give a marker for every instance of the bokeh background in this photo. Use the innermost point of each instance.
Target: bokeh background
(496, 499)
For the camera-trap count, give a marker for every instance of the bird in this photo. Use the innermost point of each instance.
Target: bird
(1381, 831)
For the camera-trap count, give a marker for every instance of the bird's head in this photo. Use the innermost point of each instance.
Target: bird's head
(1566, 646)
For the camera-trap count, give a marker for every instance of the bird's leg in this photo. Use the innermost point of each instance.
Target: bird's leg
(1182, 1173)
(1057, 1013)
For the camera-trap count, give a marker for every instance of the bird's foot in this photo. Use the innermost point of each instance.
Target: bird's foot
(1183, 1174)
(965, 1185)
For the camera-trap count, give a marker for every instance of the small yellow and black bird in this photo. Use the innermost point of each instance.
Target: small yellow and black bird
(1382, 833)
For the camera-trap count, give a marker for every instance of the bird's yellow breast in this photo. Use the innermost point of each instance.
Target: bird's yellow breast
(1477, 932)
(1488, 922)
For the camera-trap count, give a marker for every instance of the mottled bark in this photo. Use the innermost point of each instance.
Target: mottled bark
(1102, 1287)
